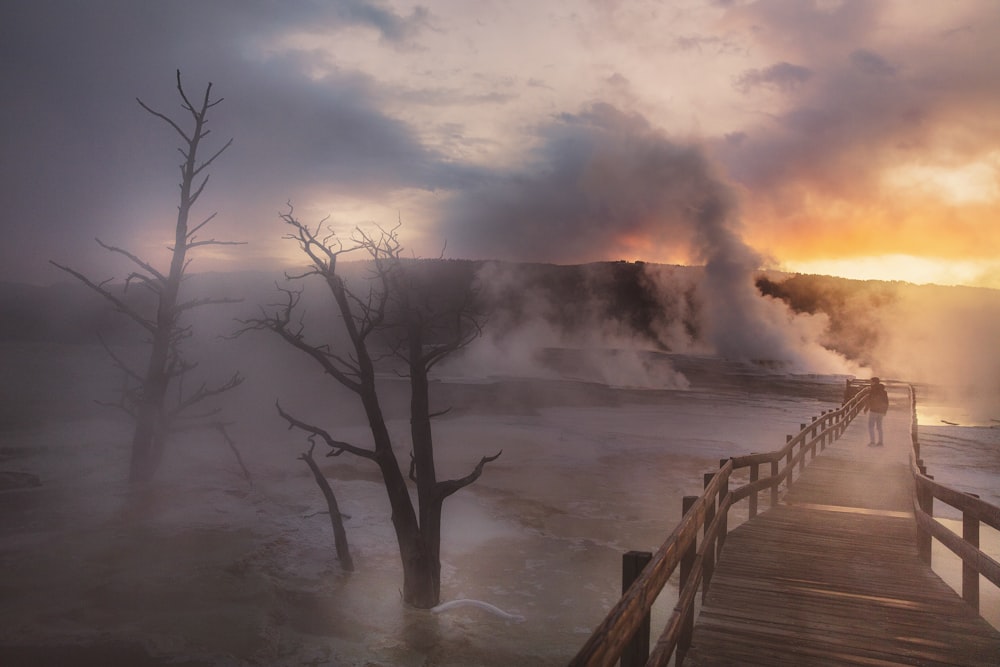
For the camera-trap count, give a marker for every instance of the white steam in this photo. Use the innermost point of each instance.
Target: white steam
(602, 179)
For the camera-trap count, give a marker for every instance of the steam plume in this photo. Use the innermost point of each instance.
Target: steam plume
(607, 183)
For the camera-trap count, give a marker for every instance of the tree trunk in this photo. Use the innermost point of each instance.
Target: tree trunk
(150, 429)
(339, 534)
(148, 403)
(150, 435)
(421, 570)
(421, 587)
(424, 572)
(422, 575)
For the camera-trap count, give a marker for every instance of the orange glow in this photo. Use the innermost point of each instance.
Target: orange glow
(921, 226)
(636, 244)
(906, 268)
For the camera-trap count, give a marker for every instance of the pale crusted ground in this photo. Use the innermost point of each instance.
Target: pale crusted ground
(207, 568)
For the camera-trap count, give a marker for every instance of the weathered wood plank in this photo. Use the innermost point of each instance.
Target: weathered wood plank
(831, 575)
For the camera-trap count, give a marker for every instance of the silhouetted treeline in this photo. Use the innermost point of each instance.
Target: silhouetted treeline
(850, 305)
(633, 299)
(569, 298)
(63, 313)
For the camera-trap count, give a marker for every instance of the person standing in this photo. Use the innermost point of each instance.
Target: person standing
(876, 406)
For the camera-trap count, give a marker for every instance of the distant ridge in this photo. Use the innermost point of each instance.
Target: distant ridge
(632, 299)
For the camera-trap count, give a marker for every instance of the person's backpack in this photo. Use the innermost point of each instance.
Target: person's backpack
(878, 401)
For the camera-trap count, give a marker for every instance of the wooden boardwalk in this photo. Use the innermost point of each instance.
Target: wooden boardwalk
(831, 576)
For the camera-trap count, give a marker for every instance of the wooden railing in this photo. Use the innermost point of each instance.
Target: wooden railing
(624, 632)
(974, 511)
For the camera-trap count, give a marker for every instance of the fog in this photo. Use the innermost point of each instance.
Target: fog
(609, 387)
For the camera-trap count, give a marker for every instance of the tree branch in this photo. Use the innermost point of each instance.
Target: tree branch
(339, 534)
(221, 428)
(439, 413)
(447, 487)
(337, 445)
(201, 224)
(205, 301)
(205, 392)
(145, 266)
(279, 322)
(120, 305)
(165, 118)
(212, 159)
(118, 361)
(195, 244)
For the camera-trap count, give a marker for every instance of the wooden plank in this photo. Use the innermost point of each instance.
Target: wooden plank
(831, 576)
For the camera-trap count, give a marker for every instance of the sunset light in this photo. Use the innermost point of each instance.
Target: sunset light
(905, 268)
(854, 138)
(973, 183)
(481, 292)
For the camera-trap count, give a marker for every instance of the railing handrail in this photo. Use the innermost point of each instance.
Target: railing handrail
(709, 512)
(609, 639)
(960, 500)
(974, 511)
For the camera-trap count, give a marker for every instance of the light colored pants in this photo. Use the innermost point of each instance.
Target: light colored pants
(875, 423)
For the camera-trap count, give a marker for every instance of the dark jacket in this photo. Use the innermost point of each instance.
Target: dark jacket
(878, 399)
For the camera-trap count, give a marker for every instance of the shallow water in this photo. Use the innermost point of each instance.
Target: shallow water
(208, 568)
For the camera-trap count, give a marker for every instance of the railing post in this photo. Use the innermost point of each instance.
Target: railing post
(709, 553)
(970, 576)
(687, 564)
(788, 462)
(812, 441)
(774, 483)
(926, 502)
(754, 476)
(802, 449)
(724, 521)
(636, 652)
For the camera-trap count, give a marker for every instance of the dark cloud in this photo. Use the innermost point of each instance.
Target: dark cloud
(782, 76)
(598, 181)
(706, 44)
(80, 158)
(393, 27)
(872, 63)
(861, 112)
(800, 28)
(604, 178)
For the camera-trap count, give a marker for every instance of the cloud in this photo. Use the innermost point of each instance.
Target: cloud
(872, 63)
(86, 161)
(598, 182)
(368, 108)
(781, 76)
(603, 179)
(888, 92)
(393, 27)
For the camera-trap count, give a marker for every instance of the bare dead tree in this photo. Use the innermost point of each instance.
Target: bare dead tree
(393, 318)
(146, 395)
(336, 520)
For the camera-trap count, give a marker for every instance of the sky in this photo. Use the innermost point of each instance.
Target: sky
(848, 137)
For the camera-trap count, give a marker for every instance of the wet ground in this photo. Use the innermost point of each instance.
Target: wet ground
(204, 568)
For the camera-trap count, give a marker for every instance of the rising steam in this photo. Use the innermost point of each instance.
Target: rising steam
(607, 182)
